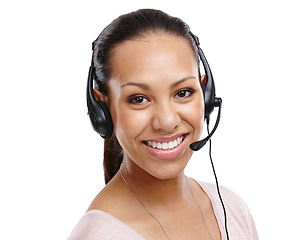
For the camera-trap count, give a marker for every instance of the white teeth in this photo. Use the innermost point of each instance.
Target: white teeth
(165, 145)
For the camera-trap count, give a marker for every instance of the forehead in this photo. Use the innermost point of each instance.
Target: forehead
(155, 56)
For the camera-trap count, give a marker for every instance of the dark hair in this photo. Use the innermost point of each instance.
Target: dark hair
(138, 24)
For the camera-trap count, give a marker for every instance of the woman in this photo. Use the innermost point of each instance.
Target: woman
(146, 69)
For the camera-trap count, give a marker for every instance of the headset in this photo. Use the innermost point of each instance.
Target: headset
(100, 116)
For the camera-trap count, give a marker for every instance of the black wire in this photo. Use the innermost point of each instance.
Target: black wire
(217, 184)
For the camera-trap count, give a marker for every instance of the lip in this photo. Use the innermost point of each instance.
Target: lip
(170, 153)
(166, 139)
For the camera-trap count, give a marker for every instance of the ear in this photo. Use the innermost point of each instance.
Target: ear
(99, 96)
(203, 79)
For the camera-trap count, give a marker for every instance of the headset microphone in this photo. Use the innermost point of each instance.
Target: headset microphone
(210, 99)
(199, 144)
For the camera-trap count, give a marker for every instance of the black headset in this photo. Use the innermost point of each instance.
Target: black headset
(99, 113)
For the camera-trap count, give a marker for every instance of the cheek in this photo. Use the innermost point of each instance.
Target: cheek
(128, 124)
(194, 115)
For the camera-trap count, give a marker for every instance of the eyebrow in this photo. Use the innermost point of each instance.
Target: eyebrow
(147, 87)
(137, 84)
(175, 84)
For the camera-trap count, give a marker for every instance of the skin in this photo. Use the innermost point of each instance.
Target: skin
(155, 93)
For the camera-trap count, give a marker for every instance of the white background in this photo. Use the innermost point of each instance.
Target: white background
(51, 159)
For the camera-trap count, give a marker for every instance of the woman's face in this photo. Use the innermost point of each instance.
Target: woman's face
(156, 103)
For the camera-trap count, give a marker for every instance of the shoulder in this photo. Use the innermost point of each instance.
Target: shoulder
(93, 225)
(240, 220)
(229, 197)
(97, 225)
(104, 219)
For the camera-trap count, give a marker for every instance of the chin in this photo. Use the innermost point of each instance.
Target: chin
(168, 169)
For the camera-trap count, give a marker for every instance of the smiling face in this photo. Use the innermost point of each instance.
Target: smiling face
(156, 103)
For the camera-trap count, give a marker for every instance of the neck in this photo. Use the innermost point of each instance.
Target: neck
(155, 190)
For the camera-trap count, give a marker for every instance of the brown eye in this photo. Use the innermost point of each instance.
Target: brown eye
(184, 93)
(137, 99)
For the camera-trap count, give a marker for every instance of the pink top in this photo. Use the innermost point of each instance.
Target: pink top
(98, 225)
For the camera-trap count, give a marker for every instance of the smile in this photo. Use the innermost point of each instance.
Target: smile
(165, 145)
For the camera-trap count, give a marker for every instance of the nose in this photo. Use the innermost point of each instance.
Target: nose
(165, 117)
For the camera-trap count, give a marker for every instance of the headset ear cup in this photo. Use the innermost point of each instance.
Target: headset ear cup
(98, 111)
(203, 90)
(101, 119)
(208, 89)
(104, 123)
(209, 96)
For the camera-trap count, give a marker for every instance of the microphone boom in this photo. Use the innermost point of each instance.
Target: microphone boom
(199, 144)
